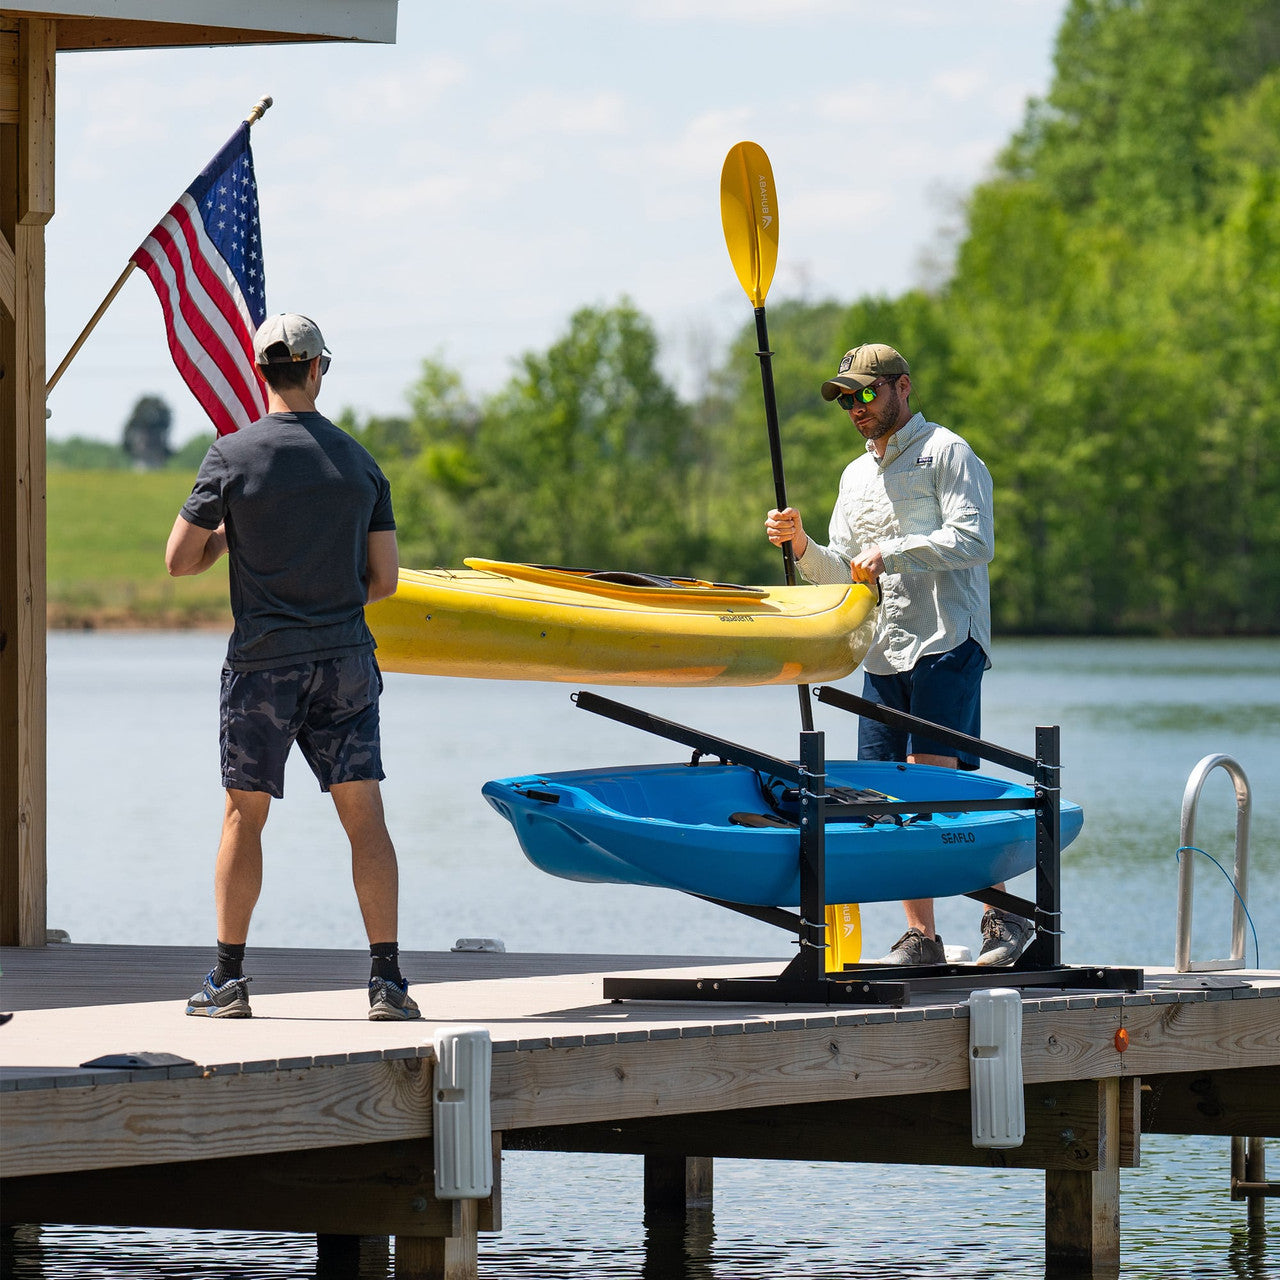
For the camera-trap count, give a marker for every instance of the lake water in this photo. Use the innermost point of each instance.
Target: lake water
(134, 812)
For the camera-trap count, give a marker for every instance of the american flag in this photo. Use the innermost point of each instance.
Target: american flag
(205, 261)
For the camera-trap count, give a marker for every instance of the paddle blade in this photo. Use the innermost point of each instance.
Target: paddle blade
(844, 935)
(749, 215)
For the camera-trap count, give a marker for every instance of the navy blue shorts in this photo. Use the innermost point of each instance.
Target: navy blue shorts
(945, 688)
(330, 707)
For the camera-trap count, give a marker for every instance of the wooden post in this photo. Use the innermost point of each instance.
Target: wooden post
(676, 1186)
(340, 1257)
(451, 1257)
(26, 205)
(1082, 1209)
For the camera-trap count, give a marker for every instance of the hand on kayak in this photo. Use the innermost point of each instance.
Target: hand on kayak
(867, 566)
(786, 526)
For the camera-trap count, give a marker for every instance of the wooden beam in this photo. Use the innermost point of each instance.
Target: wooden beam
(1082, 1208)
(9, 73)
(1130, 1122)
(384, 1188)
(37, 45)
(1063, 1132)
(8, 280)
(26, 166)
(160, 1122)
(106, 33)
(1238, 1104)
(726, 1073)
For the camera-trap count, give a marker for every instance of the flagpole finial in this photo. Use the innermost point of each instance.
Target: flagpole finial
(260, 108)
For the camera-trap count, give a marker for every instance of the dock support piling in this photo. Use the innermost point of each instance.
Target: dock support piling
(451, 1257)
(1082, 1208)
(676, 1187)
(339, 1257)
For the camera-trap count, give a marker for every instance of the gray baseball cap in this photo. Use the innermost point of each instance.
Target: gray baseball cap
(286, 338)
(862, 366)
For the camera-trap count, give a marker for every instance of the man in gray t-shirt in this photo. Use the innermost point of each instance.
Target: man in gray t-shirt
(304, 515)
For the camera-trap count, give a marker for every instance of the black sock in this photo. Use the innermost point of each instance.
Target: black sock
(230, 962)
(385, 961)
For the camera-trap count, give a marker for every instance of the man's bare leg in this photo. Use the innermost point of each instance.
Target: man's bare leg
(237, 877)
(373, 857)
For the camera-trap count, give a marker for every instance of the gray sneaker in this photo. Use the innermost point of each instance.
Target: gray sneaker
(230, 1000)
(1004, 937)
(391, 1002)
(915, 948)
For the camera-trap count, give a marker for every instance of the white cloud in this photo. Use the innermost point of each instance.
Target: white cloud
(845, 210)
(546, 112)
(961, 84)
(404, 93)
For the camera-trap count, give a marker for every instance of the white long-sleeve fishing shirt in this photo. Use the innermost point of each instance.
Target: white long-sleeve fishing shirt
(927, 504)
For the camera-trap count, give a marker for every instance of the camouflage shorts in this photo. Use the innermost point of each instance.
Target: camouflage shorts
(330, 707)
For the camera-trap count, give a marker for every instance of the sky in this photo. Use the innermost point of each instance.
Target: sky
(458, 195)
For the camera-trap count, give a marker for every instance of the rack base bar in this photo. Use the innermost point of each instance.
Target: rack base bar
(894, 986)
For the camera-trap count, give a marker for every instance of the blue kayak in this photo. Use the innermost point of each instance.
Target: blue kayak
(728, 831)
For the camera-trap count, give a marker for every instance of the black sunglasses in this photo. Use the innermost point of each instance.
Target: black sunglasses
(865, 396)
(325, 362)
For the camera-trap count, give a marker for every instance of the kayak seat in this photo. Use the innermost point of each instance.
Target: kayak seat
(624, 578)
(628, 578)
(786, 801)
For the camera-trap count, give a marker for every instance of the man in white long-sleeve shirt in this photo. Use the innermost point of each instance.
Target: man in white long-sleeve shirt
(914, 514)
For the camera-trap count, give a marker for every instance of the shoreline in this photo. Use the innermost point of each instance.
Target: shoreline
(65, 619)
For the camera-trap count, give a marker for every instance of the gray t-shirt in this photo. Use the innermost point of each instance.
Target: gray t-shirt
(299, 498)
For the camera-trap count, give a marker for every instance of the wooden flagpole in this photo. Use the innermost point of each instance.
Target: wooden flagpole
(259, 110)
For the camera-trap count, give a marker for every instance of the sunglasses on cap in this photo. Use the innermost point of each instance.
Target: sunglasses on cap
(865, 396)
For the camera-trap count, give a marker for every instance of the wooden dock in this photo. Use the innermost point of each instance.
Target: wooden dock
(320, 1116)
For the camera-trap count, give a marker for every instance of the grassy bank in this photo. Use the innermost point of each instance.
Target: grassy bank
(107, 533)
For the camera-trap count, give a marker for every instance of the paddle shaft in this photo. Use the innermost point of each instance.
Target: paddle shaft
(779, 478)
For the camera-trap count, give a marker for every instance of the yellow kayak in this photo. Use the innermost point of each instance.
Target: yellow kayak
(499, 621)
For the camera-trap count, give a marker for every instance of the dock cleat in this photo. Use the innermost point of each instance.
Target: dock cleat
(390, 1001)
(1004, 937)
(230, 1000)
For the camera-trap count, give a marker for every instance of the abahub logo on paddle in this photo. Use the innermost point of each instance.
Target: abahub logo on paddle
(766, 213)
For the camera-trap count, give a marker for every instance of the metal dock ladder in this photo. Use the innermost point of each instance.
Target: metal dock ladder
(1248, 1155)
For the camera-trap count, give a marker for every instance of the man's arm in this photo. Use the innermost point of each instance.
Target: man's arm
(192, 549)
(383, 575)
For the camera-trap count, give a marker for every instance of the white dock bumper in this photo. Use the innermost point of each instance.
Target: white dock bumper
(995, 1068)
(461, 1114)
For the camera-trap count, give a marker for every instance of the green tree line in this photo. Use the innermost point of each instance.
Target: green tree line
(1109, 342)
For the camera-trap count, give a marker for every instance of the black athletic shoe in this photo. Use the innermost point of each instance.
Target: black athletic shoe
(1004, 937)
(915, 948)
(231, 1000)
(390, 1001)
